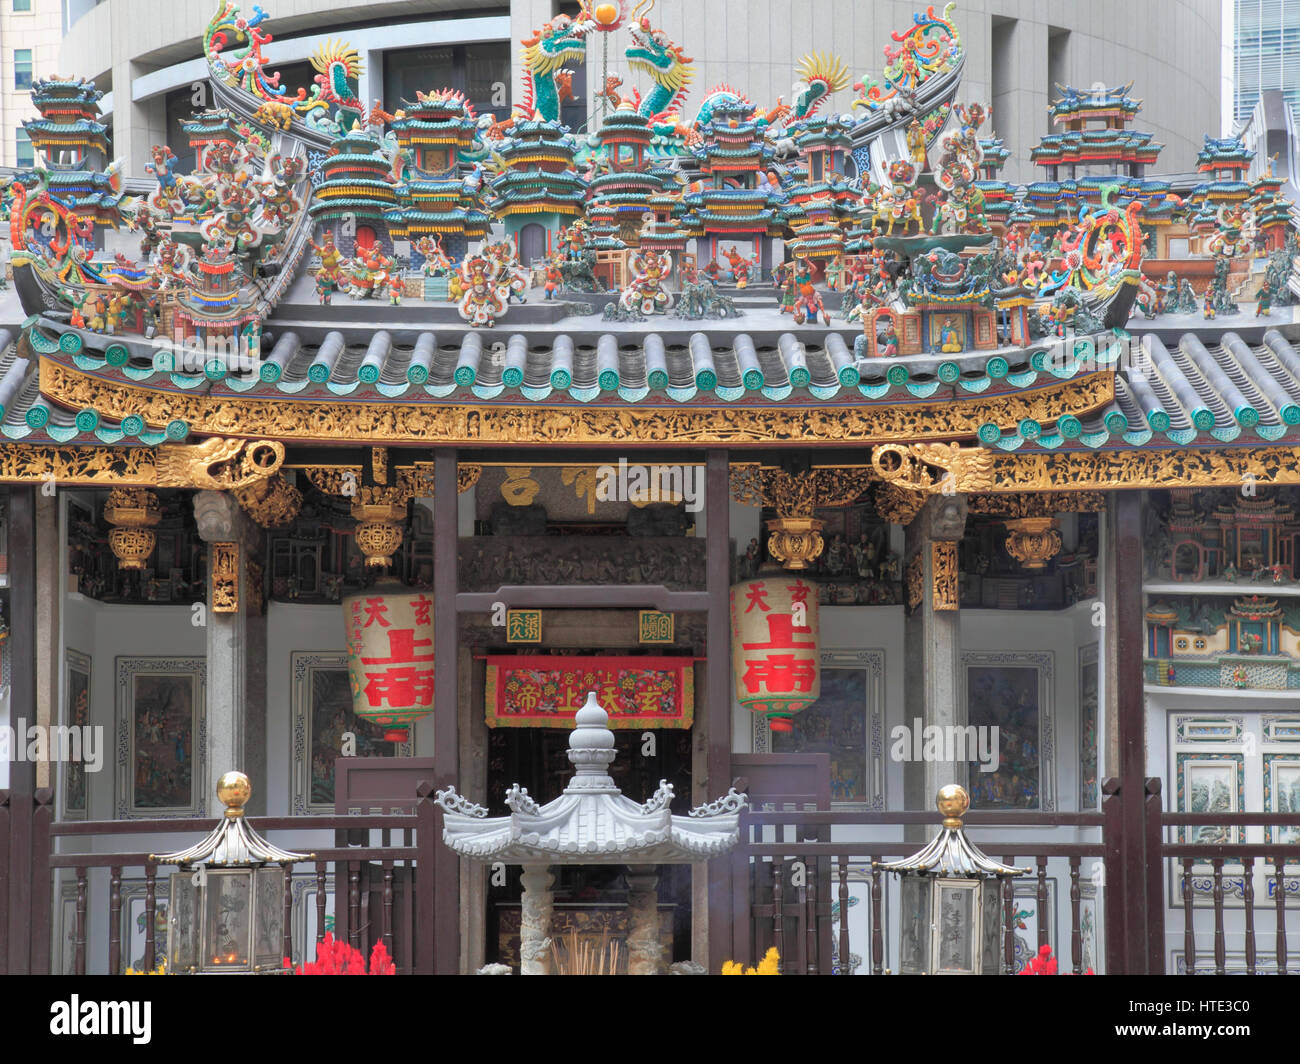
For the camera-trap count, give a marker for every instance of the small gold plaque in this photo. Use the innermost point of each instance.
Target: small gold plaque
(655, 627)
(523, 626)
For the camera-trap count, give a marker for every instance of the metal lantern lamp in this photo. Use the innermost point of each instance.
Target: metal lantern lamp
(950, 900)
(227, 896)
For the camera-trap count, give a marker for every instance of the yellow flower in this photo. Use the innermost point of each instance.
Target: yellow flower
(767, 966)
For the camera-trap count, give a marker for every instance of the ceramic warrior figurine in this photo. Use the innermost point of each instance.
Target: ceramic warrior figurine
(646, 292)
(482, 302)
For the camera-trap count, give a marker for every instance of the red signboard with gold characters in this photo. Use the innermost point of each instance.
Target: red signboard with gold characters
(390, 657)
(775, 651)
(533, 691)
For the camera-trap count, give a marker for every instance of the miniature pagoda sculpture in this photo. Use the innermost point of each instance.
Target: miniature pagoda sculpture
(592, 822)
(950, 900)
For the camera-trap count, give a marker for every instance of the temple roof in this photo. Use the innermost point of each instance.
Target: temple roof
(1185, 393)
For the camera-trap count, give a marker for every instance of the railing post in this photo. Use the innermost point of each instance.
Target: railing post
(4, 882)
(426, 841)
(42, 886)
(1113, 904)
(1154, 869)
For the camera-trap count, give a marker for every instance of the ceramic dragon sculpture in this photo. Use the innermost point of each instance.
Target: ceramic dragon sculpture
(930, 46)
(233, 45)
(820, 74)
(652, 52)
(560, 41)
(337, 65)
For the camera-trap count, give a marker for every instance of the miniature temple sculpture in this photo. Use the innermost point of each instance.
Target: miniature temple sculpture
(592, 822)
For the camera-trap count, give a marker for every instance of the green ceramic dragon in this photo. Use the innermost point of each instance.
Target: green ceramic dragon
(545, 53)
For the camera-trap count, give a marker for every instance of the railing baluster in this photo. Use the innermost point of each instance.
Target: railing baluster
(115, 920)
(877, 932)
(150, 909)
(778, 915)
(1041, 897)
(354, 904)
(1279, 902)
(320, 909)
(286, 939)
(1220, 953)
(1189, 918)
(844, 917)
(79, 930)
(1248, 895)
(1076, 932)
(811, 961)
(1008, 912)
(388, 907)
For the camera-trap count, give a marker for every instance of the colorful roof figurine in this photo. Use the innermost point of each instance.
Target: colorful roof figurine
(73, 174)
(603, 228)
(355, 181)
(69, 129)
(1074, 108)
(624, 183)
(995, 155)
(1224, 161)
(535, 172)
(733, 195)
(434, 198)
(1096, 135)
(665, 231)
(435, 129)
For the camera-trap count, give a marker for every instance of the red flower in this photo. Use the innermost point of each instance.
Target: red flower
(1044, 964)
(338, 958)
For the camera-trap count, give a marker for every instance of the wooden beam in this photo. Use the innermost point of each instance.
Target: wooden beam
(577, 596)
(445, 692)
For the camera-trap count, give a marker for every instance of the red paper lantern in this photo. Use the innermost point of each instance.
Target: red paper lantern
(390, 657)
(775, 646)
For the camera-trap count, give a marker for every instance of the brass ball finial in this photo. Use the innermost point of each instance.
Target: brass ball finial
(952, 801)
(234, 790)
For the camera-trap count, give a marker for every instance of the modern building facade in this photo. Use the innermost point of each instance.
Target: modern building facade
(31, 32)
(1265, 52)
(148, 58)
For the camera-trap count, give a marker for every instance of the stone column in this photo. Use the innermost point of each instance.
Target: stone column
(236, 650)
(932, 644)
(535, 922)
(645, 952)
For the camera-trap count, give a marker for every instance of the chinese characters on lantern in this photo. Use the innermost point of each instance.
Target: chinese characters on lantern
(390, 658)
(775, 646)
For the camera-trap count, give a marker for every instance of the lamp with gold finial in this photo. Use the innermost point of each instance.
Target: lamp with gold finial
(950, 899)
(227, 895)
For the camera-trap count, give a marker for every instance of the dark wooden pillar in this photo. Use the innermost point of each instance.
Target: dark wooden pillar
(17, 958)
(717, 560)
(446, 926)
(1130, 849)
